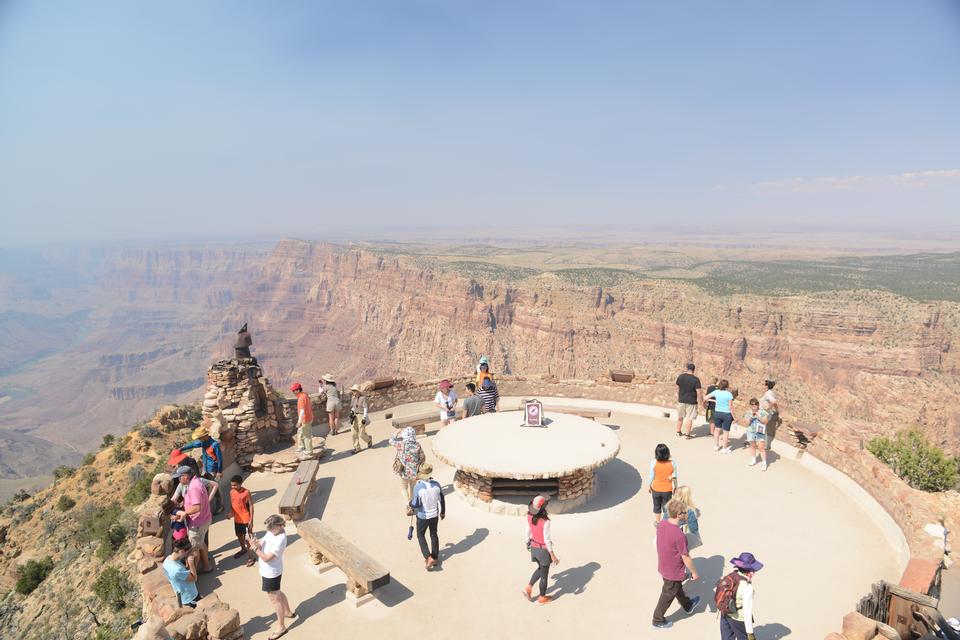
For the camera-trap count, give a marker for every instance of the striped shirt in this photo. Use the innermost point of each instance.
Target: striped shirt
(489, 397)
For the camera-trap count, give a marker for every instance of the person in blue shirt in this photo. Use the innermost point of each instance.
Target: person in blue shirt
(180, 567)
(212, 460)
(430, 507)
(722, 416)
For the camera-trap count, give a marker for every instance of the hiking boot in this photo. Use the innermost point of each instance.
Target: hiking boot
(543, 599)
(666, 624)
(753, 461)
(528, 593)
(763, 467)
(728, 450)
(694, 601)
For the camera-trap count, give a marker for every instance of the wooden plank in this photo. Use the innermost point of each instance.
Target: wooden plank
(417, 419)
(577, 411)
(363, 572)
(294, 500)
(384, 383)
(619, 375)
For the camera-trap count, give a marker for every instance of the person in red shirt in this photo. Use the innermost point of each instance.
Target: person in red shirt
(304, 419)
(672, 560)
(241, 504)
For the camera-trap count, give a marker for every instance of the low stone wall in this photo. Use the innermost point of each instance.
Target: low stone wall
(472, 484)
(211, 620)
(577, 485)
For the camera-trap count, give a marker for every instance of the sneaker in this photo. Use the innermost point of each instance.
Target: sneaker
(753, 461)
(763, 467)
(543, 599)
(528, 593)
(666, 624)
(694, 601)
(728, 450)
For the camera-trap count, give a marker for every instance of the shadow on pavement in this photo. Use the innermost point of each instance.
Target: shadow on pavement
(573, 580)
(263, 494)
(317, 503)
(464, 545)
(773, 631)
(710, 569)
(617, 482)
(393, 594)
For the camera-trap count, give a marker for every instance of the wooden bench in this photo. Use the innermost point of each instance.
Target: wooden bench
(364, 574)
(619, 375)
(294, 500)
(577, 411)
(419, 421)
(383, 383)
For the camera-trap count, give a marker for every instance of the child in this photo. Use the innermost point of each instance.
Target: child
(242, 506)
(662, 481)
(692, 526)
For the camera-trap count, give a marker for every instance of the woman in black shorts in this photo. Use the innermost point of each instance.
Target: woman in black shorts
(269, 550)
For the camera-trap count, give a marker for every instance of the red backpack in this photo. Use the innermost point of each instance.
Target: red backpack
(725, 595)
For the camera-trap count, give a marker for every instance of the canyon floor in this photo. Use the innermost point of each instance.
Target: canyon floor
(606, 584)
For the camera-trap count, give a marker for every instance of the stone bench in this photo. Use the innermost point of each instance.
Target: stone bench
(418, 421)
(364, 574)
(293, 504)
(576, 411)
(619, 375)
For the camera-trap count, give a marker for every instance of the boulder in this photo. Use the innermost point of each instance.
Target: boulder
(152, 629)
(168, 609)
(222, 623)
(859, 627)
(146, 565)
(155, 584)
(151, 546)
(211, 603)
(192, 626)
(162, 484)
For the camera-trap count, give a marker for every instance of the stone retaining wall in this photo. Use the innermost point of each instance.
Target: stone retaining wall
(472, 484)
(577, 485)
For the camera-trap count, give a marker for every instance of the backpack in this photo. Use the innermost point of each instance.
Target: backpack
(725, 595)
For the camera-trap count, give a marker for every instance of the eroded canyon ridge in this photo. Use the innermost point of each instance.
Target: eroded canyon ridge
(93, 340)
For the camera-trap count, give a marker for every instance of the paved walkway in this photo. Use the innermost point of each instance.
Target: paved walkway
(819, 547)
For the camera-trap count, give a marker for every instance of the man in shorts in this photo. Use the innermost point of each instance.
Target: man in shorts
(241, 505)
(689, 397)
(196, 513)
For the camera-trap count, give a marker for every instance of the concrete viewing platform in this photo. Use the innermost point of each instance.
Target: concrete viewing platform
(823, 543)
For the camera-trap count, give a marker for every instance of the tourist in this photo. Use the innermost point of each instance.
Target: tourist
(359, 418)
(329, 390)
(541, 547)
(430, 508)
(211, 456)
(269, 550)
(446, 401)
(212, 487)
(483, 371)
(691, 525)
(722, 417)
(180, 567)
(711, 404)
(304, 419)
(756, 420)
(689, 397)
(768, 402)
(472, 404)
(734, 597)
(673, 559)
(196, 513)
(406, 463)
(662, 481)
(489, 395)
(241, 503)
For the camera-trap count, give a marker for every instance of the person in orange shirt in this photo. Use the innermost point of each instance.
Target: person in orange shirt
(662, 481)
(242, 504)
(304, 420)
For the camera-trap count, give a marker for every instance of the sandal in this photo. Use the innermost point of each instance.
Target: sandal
(251, 562)
(278, 634)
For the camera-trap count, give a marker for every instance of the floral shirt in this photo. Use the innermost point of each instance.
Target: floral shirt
(755, 425)
(409, 452)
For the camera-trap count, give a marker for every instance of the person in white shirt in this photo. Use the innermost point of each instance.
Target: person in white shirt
(269, 550)
(446, 401)
(738, 623)
(430, 507)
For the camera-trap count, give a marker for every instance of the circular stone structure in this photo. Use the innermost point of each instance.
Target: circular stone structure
(501, 464)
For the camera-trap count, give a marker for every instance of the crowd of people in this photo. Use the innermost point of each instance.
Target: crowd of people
(676, 516)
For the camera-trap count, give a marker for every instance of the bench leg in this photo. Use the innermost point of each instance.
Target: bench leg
(357, 593)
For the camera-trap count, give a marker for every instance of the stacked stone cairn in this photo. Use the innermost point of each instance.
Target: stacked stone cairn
(212, 619)
(242, 411)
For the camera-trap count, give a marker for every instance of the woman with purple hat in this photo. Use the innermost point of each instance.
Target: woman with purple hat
(735, 596)
(541, 547)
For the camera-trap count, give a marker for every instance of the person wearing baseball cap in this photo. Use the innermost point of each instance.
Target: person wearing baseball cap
(430, 508)
(541, 547)
(195, 512)
(446, 401)
(304, 419)
(737, 622)
(211, 458)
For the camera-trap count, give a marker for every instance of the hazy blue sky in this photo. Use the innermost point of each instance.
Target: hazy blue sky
(134, 120)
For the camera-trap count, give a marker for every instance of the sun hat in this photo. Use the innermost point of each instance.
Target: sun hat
(483, 360)
(425, 471)
(445, 384)
(356, 388)
(296, 386)
(176, 457)
(182, 471)
(200, 432)
(747, 562)
(537, 504)
(274, 521)
(328, 378)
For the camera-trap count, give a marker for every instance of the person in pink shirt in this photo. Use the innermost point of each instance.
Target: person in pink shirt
(673, 561)
(195, 513)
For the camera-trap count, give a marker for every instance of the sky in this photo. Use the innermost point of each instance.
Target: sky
(183, 120)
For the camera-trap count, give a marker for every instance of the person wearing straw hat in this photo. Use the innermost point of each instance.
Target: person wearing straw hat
(430, 508)
(329, 390)
(735, 595)
(359, 418)
(541, 547)
(304, 420)
(269, 550)
(212, 458)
